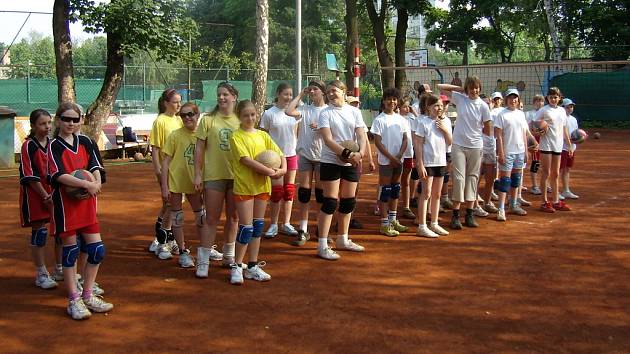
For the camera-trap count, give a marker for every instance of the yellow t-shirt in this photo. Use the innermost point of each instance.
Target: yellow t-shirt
(250, 144)
(162, 127)
(180, 145)
(217, 130)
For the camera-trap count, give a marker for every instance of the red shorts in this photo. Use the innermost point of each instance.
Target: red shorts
(292, 163)
(566, 161)
(90, 229)
(409, 163)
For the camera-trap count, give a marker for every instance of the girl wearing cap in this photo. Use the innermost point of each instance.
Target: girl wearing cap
(538, 102)
(566, 160)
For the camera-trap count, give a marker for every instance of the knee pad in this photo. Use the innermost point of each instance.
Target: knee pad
(319, 195)
(346, 205)
(289, 192)
(329, 205)
(245, 233)
(96, 252)
(414, 174)
(69, 255)
(304, 195)
(161, 235)
(447, 176)
(200, 217)
(38, 237)
(395, 191)
(259, 225)
(177, 218)
(277, 192)
(504, 184)
(516, 180)
(533, 168)
(384, 193)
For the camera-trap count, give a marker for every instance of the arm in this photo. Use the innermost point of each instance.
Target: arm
(39, 188)
(418, 143)
(368, 148)
(164, 178)
(487, 127)
(448, 89)
(381, 148)
(258, 167)
(291, 109)
(157, 164)
(567, 139)
(92, 187)
(498, 133)
(200, 148)
(403, 146)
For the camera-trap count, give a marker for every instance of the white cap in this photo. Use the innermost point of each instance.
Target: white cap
(567, 102)
(512, 92)
(496, 95)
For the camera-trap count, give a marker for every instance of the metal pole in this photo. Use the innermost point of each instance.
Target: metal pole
(28, 83)
(298, 46)
(189, 66)
(144, 83)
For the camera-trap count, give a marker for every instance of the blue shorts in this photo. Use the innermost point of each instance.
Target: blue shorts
(513, 162)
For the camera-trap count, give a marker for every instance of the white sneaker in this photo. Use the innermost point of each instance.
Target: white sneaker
(501, 215)
(424, 231)
(288, 230)
(173, 247)
(523, 202)
(480, 212)
(328, 254)
(560, 196)
(96, 288)
(214, 254)
(164, 251)
(349, 246)
(517, 210)
(438, 229)
(77, 310)
(186, 260)
(272, 231)
(257, 273)
(494, 196)
(97, 304)
(58, 274)
(236, 274)
(570, 195)
(154, 245)
(44, 281)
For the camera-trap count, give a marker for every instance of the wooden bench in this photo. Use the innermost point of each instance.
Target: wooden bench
(141, 144)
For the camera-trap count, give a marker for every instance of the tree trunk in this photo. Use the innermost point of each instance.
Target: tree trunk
(259, 85)
(553, 31)
(352, 40)
(100, 109)
(63, 52)
(399, 45)
(378, 28)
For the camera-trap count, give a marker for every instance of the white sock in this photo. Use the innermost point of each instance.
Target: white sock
(343, 239)
(42, 270)
(322, 243)
(422, 226)
(303, 225)
(228, 249)
(391, 216)
(384, 221)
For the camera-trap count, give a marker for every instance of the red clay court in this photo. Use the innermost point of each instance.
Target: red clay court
(540, 283)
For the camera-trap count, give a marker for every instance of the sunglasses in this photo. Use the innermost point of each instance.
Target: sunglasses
(187, 114)
(67, 119)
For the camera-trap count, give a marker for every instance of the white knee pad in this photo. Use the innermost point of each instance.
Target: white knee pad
(177, 218)
(200, 217)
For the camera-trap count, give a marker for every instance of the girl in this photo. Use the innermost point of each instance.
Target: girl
(408, 163)
(282, 129)
(67, 153)
(538, 103)
(489, 161)
(391, 136)
(445, 201)
(473, 118)
(566, 161)
(167, 121)
(252, 188)
(433, 135)
(338, 173)
(177, 179)
(212, 166)
(309, 149)
(511, 132)
(551, 149)
(35, 198)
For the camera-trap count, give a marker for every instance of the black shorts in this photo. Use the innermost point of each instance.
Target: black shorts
(436, 171)
(448, 157)
(333, 172)
(550, 153)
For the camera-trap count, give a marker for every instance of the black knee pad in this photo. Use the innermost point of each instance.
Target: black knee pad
(447, 176)
(346, 205)
(304, 195)
(319, 195)
(533, 168)
(329, 205)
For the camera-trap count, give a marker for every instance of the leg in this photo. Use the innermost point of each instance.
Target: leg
(177, 219)
(289, 181)
(324, 218)
(230, 230)
(436, 189)
(545, 171)
(347, 203)
(245, 210)
(473, 163)
(254, 269)
(277, 192)
(393, 201)
(405, 180)
(459, 173)
(39, 236)
(304, 197)
(553, 176)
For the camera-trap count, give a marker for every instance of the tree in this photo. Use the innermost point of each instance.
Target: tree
(352, 40)
(605, 28)
(379, 20)
(63, 51)
(259, 84)
(553, 31)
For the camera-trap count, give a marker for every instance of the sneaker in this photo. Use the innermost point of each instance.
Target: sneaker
(424, 231)
(570, 195)
(328, 254)
(408, 214)
(172, 245)
(77, 310)
(355, 224)
(438, 229)
(214, 254)
(455, 223)
(236, 274)
(301, 238)
(490, 208)
(186, 260)
(470, 221)
(517, 210)
(447, 203)
(97, 304)
(523, 202)
(560, 196)
(58, 274)
(349, 246)
(480, 212)
(501, 215)
(257, 273)
(547, 207)
(288, 230)
(154, 245)
(535, 191)
(45, 281)
(561, 206)
(227, 262)
(272, 231)
(398, 226)
(389, 231)
(96, 288)
(164, 251)
(494, 196)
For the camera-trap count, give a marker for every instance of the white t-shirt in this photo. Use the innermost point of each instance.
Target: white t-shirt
(342, 122)
(514, 128)
(553, 140)
(489, 141)
(449, 123)
(530, 115)
(572, 125)
(309, 142)
(281, 127)
(411, 124)
(434, 146)
(391, 128)
(471, 114)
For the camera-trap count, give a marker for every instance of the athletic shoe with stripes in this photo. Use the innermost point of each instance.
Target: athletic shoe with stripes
(77, 309)
(96, 304)
(257, 273)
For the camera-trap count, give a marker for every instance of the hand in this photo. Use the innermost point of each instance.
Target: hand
(198, 184)
(278, 173)
(313, 125)
(355, 159)
(93, 188)
(441, 126)
(158, 175)
(395, 162)
(166, 195)
(422, 172)
(47, 200)
(372, 166)
(571, 150)
(307, 90)
(501, 158)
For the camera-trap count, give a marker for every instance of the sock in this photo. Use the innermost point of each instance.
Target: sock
(42, 270)
(228, 249)
(73, 296)
(512, 203)
(469, 211)
(384, 221)
(342, 238)
(434, 224)
(322, 243)
(87, 293)
(422, 226)
(304, 225)
(456, 213)
(251, 265)
(501, 205)
(391, 216)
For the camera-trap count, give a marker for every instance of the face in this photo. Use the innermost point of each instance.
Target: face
(404, 109)
(285, 96)
(189, 118)
(497, 102)
(335, 95)
(42, 126)
(68, 122)
(473, 92)
(225, 99)
(436, 109)
(247, 116)
(512, 102)
(316, 94)
(569, 109)
(390, 104)
(553, 100)
(174, 104)
(538, 104)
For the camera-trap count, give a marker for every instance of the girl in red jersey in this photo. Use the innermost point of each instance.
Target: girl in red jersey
(35, 199)
(69, 152)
